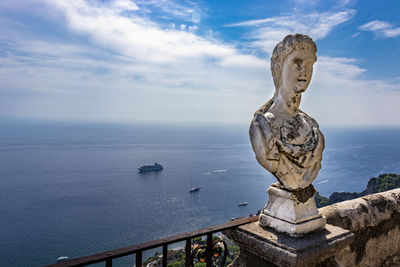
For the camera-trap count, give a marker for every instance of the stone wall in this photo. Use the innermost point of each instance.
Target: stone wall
(375, 222)
(359, 232)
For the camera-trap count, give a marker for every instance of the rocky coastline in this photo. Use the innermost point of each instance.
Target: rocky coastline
(383, 182)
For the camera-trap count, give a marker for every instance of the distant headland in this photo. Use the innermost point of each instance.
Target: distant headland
(383, 182)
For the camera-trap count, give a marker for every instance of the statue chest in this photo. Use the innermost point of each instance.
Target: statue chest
(296, 131)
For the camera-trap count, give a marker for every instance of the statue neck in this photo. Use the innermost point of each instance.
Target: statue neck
(286, 105)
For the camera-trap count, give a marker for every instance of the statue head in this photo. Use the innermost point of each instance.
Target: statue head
(285, 48)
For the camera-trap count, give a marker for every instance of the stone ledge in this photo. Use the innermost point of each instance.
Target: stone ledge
(367, 211)
(283, 250)
(375, 222)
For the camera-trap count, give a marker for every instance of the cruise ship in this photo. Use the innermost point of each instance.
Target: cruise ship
(151, 168)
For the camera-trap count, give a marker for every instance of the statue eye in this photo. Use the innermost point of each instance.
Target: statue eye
(297, 61)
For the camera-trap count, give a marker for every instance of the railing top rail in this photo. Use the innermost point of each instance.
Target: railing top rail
(120, 252)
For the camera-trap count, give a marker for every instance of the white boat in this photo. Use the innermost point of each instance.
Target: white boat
(195, 189)
(244, 203)
(62, 258)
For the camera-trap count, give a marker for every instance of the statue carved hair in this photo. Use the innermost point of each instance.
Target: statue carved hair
(283, 49)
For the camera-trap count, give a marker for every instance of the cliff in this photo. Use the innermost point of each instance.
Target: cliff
(383, 182)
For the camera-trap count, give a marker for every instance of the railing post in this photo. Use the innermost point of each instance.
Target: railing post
(209, 250)
(109, 263)
(139, 259)
(188, 252)
(165, 255)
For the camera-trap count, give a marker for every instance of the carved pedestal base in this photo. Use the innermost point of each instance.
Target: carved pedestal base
(293, 213)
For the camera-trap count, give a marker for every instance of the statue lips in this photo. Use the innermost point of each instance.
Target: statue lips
(302, 85)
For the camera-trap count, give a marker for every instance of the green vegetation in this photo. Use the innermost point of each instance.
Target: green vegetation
(383, 182)
(321, 201)
(200, 241)
(152, 258)
(175, 264)
(176, 258)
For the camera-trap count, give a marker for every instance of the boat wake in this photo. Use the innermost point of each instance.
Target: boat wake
(216, 171)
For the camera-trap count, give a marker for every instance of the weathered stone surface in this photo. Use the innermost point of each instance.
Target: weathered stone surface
(371, 237)
(392, 261)
(286, 141)
(247, 259)
(286, 213)
(375, 222)
(292, 229)
(363, 212)
(269, 248)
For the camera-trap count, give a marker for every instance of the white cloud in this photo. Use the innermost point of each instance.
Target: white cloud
(129, 61)
(137, 37)
(266, 33)
(305, 3)
(196, 17)
(133, 69)
(193, 28)
(255, 22)
(375, 25)
(338, 96)
(381, 28)
(171, 8)
(124, 5)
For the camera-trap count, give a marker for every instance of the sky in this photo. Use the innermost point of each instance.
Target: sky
(194, 62)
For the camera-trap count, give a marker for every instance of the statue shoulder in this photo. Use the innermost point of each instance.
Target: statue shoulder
(270, 117)
(264, 108)
(266, 120)
(310, 120)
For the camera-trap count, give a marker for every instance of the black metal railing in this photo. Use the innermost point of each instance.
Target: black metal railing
(214, 253)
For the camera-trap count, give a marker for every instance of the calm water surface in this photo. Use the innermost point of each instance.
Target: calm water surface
(73, 189)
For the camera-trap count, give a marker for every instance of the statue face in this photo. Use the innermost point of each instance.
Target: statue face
(297, 71)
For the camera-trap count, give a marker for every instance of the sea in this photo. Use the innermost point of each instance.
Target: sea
(73, 189)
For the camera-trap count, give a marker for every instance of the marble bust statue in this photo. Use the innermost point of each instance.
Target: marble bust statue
(287, 141)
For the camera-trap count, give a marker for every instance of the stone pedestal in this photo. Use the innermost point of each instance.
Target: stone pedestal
(260, 247)
(291, 212)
